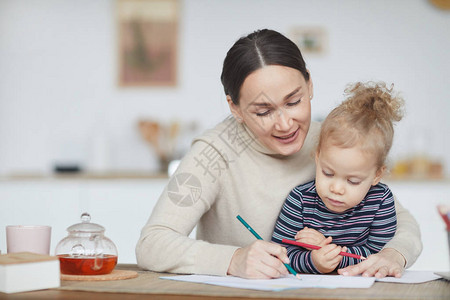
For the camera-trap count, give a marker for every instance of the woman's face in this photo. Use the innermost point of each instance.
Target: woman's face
(275, 104)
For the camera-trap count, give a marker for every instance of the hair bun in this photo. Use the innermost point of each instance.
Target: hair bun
(376, 100)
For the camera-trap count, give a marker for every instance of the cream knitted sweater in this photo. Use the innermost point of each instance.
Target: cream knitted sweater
(228, 172)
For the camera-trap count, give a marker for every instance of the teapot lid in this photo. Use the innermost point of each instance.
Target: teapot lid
(86, 225)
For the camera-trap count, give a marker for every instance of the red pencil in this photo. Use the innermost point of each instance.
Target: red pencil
(444, 211)
(304, 245)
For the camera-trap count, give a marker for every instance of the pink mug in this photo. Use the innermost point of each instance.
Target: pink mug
(28, 238)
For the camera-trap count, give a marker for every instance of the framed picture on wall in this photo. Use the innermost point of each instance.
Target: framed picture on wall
(148, 42)
(310, 40)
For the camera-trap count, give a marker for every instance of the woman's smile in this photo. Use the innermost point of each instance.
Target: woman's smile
(288, 138)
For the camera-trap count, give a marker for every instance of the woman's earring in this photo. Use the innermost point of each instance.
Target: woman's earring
(310, 97)
(238, 119)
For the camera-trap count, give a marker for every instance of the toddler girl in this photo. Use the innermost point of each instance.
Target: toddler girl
(345, 208)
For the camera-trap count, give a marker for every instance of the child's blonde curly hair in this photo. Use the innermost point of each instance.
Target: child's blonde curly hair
(365, 119)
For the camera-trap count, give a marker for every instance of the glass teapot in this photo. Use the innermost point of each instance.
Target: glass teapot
(86, 250)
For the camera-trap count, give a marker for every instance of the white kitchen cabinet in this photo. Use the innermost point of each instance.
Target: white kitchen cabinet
(123, 206)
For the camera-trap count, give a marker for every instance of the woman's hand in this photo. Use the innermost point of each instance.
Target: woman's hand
(312, 237)
(260, 260)
(388, 262)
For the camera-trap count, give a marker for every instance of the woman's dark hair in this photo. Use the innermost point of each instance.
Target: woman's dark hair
(254, 51)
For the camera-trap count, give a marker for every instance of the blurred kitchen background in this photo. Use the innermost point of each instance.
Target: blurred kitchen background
(61, 102)
(64, 105)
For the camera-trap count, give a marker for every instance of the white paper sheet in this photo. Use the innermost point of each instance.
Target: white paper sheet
(412, 277)
(307, 281)
(288, 282)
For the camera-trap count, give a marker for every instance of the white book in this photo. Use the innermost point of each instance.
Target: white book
(21, 272)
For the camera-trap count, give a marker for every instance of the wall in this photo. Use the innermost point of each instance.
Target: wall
(58, 70)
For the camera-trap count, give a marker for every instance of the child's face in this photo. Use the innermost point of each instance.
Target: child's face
(344, 176)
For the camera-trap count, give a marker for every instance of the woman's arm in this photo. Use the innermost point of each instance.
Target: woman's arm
(164, 244)
(407, 240)
(399, 253)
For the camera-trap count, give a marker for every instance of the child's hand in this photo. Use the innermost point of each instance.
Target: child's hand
(327, 258)
(312, 237)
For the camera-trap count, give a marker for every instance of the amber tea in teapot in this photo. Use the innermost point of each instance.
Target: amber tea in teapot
(87, 266)
(86, 250)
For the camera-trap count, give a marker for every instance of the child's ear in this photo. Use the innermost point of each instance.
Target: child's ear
(379, 175)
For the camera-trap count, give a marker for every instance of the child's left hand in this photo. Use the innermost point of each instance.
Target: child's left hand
(327, 258)
(312, 237)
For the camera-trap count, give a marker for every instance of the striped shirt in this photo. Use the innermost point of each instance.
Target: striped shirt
(364, 229)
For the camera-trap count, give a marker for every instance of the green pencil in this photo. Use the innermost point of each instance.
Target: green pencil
(260, 238)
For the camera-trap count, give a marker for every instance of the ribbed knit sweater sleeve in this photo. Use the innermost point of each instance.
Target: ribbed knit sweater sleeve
(164, 244)
(407, 240)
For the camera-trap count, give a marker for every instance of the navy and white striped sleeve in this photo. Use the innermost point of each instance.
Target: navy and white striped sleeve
(289, 222)
(381, 230)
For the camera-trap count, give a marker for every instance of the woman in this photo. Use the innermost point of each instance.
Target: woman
(247, 165)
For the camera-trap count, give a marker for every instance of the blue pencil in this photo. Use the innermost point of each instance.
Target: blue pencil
(260, 238)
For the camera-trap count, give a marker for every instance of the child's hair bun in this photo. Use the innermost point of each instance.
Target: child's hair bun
(376, 100)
